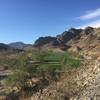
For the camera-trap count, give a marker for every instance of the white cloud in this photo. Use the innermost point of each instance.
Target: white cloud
(90, 14)
(94, 24)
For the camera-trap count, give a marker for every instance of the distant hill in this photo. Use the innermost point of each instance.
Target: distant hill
(4, 47)
(19, 45)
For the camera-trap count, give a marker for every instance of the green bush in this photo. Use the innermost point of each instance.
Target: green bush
(17, 78)
(46, 65)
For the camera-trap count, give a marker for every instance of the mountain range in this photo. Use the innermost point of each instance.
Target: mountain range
(14, 46)
(87, 39)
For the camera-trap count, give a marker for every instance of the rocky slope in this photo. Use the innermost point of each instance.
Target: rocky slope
(80, 84)
(91, 83)
(87, 39)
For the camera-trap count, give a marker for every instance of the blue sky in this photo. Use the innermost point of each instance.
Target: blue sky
(26, 20)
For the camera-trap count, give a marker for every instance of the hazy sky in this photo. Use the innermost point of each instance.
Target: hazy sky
(26, 20)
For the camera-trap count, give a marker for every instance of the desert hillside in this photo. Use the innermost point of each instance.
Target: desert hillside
(86, 40)
(65, 67)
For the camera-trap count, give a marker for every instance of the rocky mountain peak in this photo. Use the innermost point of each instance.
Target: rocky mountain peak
(46, 40)
(59, 40)
(88, 30)
(75, 31)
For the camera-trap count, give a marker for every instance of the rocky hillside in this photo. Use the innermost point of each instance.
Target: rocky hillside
(87, 39)
(80, 84)
(59, 40)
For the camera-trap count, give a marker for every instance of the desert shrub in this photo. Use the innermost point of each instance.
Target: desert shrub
(46, 65)
(17, 78)
(71, 62)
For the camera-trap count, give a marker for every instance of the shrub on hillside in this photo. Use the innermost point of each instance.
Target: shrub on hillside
(40, 64)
